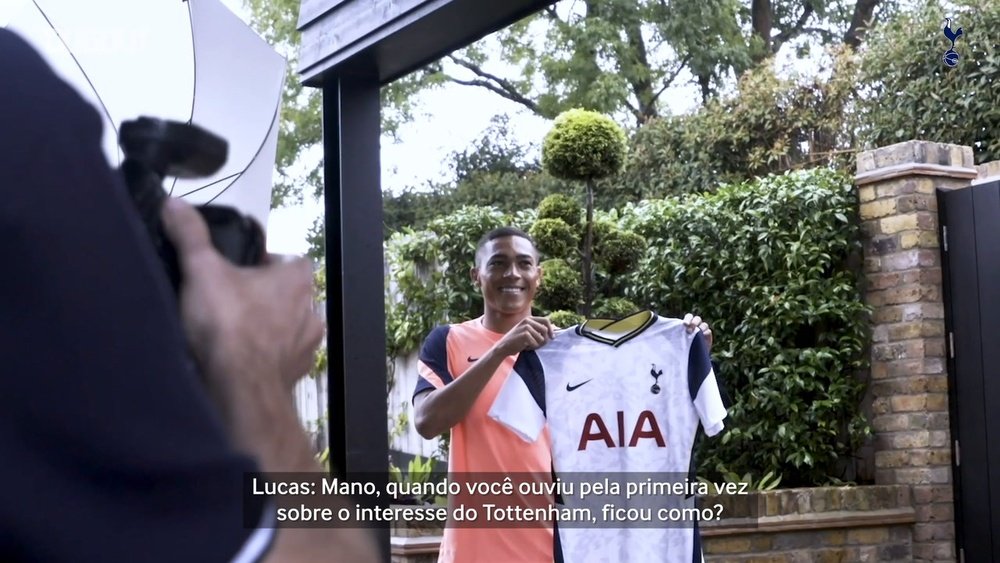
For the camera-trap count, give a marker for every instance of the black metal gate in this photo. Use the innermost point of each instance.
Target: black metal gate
(970, 251)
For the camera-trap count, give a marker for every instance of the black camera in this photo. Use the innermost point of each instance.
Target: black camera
(155, 149)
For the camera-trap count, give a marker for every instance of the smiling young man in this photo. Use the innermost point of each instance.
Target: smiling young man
(462, 369)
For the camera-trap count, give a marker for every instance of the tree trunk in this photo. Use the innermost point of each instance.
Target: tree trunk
(588, 253)
(635, 65)
(761, 16)
(864, 11)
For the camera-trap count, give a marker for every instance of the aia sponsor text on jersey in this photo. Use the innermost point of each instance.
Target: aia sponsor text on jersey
(627, 434)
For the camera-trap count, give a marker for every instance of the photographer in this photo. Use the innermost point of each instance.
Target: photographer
(113, 446)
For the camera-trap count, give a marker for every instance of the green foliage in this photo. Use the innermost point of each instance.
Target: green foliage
(554, 238)
(496, 151)
(301, 126)
(561, 286)
(774, 265)
(560, 206)
(415, 298)
(583, 145)
(618, 57)
(412, 209)
(323, 458)
(768, 482)
(511, 193)
(770, 125)
(908, 92)
(418, 471)
(427, 276)
(399, 424)
(566, 319)
(614, 308)
(619, 251)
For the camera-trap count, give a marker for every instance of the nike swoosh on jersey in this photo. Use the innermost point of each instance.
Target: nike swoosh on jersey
(575, 387)
(471, 359)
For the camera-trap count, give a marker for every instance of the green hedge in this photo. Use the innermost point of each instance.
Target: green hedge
(773, 266)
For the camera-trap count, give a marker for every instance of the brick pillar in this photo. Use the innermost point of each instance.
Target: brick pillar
(909, 385)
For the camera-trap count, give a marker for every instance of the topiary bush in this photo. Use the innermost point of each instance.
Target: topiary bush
(774, 266)
(614, 308)
(583, 145)
(565, 319)
(619, 251)
(560, 206)
(560, 288)
(554, 238)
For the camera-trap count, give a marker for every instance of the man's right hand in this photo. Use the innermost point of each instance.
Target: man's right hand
(529, 334)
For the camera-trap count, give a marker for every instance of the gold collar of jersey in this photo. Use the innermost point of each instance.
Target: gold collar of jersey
(616, 331)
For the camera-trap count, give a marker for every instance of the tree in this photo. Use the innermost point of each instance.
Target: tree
(584, 146)
(495, 170)
(301, 110)
(611, 56)
(620, 56)
(769, 125)
(908, 92)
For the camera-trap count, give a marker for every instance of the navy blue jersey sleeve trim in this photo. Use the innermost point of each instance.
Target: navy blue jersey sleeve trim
(434, 354)
(699, 364)
(529, 367)
(102, 407)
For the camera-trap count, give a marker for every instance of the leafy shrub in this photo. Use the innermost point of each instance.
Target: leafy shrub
(603, 227)
(614, 308)
(427, 276)
(770, 125)
(773, 265)
(619, 251)
(561, 286)
(909, 93)
(560, 206)
(554, 238)
(583, 145)
(565, 319)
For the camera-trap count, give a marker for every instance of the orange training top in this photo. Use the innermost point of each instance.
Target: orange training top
(481, 449)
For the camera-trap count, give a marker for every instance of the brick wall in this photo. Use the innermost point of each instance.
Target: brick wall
(909, 384)
(823, 525)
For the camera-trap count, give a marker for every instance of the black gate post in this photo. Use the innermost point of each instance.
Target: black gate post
(355, 273)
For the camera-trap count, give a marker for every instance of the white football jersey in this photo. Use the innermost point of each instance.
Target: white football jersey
(624, 400)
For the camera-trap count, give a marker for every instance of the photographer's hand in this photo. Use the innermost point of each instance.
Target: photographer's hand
(253, 332)
(242, 323)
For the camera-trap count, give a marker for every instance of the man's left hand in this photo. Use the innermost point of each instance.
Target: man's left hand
(694, 322)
